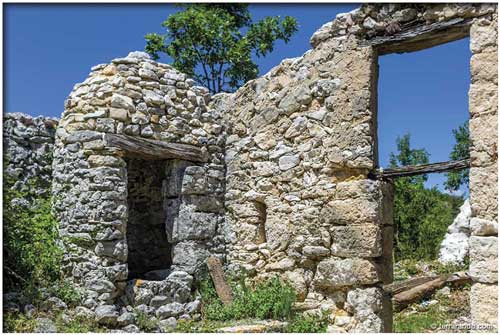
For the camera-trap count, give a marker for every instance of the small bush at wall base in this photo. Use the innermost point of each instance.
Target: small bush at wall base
(144, 322)
(302, 323)
(271, 299)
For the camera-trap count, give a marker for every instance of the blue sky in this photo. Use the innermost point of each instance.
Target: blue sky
(50, 47)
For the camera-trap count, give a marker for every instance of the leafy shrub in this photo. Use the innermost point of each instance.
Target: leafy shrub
(65, 291)
(18, 323)
(145, 323)
(303, 323)
(32, 256)
(269, 299)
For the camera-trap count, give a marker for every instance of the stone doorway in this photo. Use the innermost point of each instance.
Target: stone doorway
(149, 248)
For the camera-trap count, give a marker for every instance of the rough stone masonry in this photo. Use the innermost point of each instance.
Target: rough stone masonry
(281, 179)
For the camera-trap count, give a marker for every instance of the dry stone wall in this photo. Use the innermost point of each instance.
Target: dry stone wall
(302, 143)
(287, 188)
(138, 97)
(28, 144)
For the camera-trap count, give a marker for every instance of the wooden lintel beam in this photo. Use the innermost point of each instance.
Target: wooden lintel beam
(148, 149)
(415, 36)
(406, 171)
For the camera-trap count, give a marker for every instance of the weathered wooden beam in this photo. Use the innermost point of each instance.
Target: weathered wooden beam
(221, 286)
(148, 149)
(415, 36)
(413, 170)
(405, 285)
(427, 288)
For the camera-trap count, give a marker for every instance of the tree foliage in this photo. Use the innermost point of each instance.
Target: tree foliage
(214, 43)
(455, 179)
(421, 215)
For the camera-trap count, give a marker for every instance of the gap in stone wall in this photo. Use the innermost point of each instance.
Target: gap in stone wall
(262, 210)
(149, 248)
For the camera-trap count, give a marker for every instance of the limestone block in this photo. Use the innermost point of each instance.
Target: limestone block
(100, 160)
(82, 136)
(191, 225)
(298, 126)
(118, 114)
(247, 232)
(101, 285)
(166, 311)
(294, 99)
(482, 36)
(483, 192)
(481, 227)
(297, 280)
(281, 265)
(484, 141)
(174, 172)
(484, 259)
(277, 229)
(194, 180)
(365, 188)
(315, 252)
(265, 140)
(336, 272)
(358, 241)
(366, 304)
(484, 305)
(483, 98)
(350, 212)
(484, 67)
(106, 315)
(105, 125)
(151, 98)
(204, 203)
(190, 256)
(288, 162)
(325, 87)
(112, 249)
(121, 101)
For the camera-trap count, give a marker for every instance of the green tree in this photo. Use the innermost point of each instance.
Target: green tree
(214, 43)
(421, 215)
(455, 179)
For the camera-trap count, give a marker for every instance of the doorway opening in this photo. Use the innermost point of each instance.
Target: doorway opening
(423, 150)
(149, 249)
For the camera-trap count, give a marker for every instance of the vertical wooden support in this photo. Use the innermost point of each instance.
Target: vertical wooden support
(221, 286)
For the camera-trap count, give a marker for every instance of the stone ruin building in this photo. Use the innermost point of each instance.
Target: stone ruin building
(152, 174)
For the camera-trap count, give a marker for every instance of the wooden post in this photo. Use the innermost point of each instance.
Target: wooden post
(221, 286)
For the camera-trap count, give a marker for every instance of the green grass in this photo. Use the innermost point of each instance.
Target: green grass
(420, 322)
(427, 319)
(19, 323)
